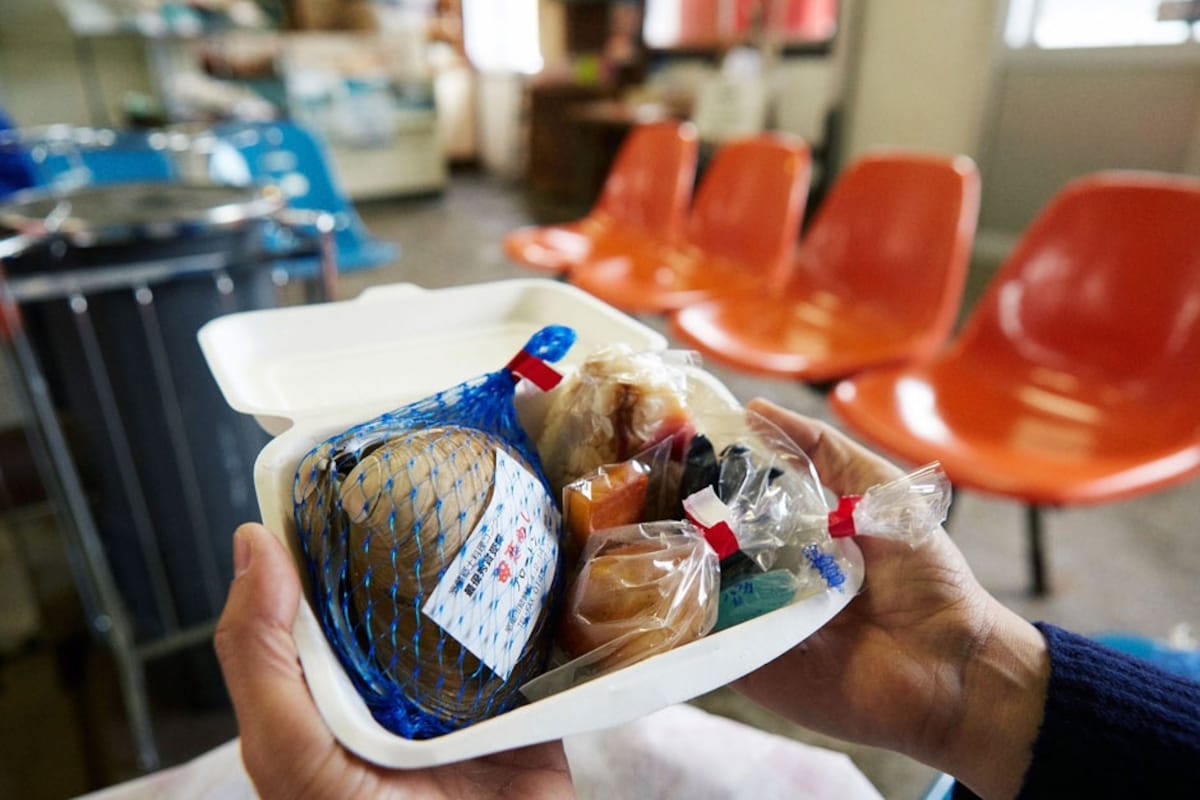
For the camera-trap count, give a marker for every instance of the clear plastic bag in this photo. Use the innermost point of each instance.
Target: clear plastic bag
(765, 513)
(643, 489)
(640, 590)
(907, 509)
(617, 404)
(612, 496)
(763, 488)
(432, 543)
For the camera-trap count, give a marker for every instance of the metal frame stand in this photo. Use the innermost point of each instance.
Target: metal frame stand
(950, 513)
(108, 617)
(106, 612)
(103, 605)
(1039, 584)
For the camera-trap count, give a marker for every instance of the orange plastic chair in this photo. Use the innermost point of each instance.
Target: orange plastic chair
(740, 234)
(646, 194)
(1074, 380)
(878, 279)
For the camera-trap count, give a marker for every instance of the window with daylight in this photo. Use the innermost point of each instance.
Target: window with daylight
(1062, 24)
(502, 35)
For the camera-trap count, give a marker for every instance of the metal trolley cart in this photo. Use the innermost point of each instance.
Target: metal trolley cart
(102, 291)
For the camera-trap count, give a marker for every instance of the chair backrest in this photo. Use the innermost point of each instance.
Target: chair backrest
(296, 160)
(750, 202)
(895, 233)
(650, 184)
(283, 154)
(1103, 286)
(120, 157)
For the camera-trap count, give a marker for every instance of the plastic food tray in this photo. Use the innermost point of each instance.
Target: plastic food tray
(308, 372)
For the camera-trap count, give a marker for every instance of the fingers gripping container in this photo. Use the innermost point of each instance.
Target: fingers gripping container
(310, 373)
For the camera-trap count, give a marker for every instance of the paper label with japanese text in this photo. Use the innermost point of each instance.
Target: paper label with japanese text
(493, 593)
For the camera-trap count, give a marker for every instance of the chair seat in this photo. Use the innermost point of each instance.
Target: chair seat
(815, 336)
(560, 248)
(1020, 435)
(876, 281)
(739, 234)
(647, 191)
(649, 277)
(1073, 380)
(291, 156)
(552, 248)
(369, 254)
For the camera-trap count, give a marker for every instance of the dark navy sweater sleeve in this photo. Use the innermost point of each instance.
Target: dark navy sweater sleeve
(1114, 726)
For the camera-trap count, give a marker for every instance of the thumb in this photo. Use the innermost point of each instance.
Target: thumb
(278, 721)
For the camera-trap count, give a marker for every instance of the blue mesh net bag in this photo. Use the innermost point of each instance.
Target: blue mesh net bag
(432, 541)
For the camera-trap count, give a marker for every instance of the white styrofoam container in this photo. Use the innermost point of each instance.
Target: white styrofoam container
(309, 372)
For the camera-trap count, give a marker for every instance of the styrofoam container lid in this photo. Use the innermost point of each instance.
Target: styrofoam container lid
(307, 373)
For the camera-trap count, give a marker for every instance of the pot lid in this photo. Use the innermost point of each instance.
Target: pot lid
(120, 212)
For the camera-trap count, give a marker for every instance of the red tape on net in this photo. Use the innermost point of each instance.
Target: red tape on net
(534, 369)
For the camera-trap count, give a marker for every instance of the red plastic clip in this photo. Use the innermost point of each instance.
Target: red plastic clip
(711, 516)
(841, 519)
(534, 369)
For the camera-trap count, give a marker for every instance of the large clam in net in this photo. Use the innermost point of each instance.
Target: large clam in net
(432, 541)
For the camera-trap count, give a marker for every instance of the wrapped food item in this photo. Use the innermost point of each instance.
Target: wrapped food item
(763, 492)
(752, 595)
(766, 516)
(642, 489)
(432, 542)
(640, 590)
(700, 470)
(612, 496)
(907, 509)
(617, 404)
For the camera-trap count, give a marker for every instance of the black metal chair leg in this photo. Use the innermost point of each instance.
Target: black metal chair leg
(1037, 555)
(950, 511)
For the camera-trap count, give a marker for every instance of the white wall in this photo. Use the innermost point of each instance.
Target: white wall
(934, 74)
(918, 73)
(498, 109)
(1061, 114)
(803, 89)
(41, 77)
(1191, 164)
(552, 34)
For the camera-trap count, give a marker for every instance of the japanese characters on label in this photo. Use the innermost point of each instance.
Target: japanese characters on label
(493, 592)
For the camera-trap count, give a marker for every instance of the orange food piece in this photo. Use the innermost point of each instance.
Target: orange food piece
(614, 496)
(646, 594)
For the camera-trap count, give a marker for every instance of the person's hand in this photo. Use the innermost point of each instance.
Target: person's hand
(287, 750)
(923, 661)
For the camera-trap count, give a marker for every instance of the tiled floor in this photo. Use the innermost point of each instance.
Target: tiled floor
(1130, 566)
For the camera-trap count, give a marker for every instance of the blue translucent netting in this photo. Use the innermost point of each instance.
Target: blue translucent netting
(379, 531)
